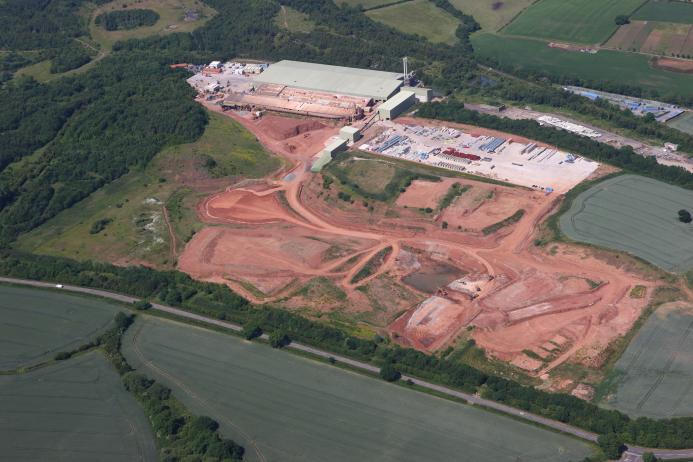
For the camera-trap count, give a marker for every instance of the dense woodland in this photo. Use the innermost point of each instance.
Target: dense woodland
(127, 19)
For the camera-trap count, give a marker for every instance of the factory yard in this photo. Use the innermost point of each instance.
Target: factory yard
(637, 215)
(654, 373)
(472, 150)
(283, 407)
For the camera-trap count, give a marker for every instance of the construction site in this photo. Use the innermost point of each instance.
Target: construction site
(425, 268)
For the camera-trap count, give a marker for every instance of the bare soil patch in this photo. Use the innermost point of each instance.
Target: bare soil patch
(675, 65)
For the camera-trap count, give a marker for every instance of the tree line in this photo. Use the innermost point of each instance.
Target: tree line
(180, 435)
(219, 301)
(556, 97)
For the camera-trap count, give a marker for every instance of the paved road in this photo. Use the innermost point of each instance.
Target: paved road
(633, 454)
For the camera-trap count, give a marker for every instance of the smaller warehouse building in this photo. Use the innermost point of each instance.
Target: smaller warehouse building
(326, 154)
(396, 105)
(350, 134)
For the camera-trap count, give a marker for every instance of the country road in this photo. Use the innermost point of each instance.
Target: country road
(633, 453)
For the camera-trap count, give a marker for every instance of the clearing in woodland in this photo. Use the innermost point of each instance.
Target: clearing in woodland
(492, 15)
(268, 401)
(74, 411)
(637, 215)
(419, 17)
(37, 324)
(577, 21)
(654, 375)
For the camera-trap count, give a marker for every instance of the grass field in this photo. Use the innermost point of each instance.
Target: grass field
(492, 15)
(655, 373)
(370, 177)
(637, 215)
(666, 11)
(36, 324)
(293, 20)
(171, 19)
(419, 17)
(605, 65)
(366, 4)
(74, 411)
(684, 122)
(577, 21)
(296, 409)
(135, 202)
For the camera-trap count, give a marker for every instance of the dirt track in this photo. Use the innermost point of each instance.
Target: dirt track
(269, 240)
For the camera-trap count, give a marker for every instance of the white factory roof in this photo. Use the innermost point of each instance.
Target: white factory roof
(332, 79)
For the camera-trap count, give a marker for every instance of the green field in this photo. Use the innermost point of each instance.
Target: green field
(492, 15)
(36, 324)
(366, 4)
(577, 21)
(293, 20)
(665, 11)
(654, 376)
(536, 55)
(297, 409)
(135, 202)
(684, 122)
(419, 17)
(74, 411)
(637, 215)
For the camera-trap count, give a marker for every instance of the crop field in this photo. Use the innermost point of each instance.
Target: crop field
(577, 21)
(291, 406)
(605, 65)
(74, 411)
(637, 215)
(684, 122)
(419, 17)
(492, 15)
(669, 39)
(36, 324)
(135, 202)
(665, 11)
(655, 373)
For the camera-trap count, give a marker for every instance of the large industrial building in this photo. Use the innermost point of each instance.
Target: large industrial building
(362, 83)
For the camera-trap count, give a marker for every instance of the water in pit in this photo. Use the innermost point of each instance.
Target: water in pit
(431, 277)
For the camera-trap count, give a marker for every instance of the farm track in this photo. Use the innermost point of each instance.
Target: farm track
(634, 452)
